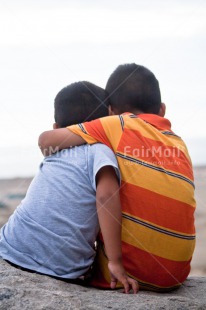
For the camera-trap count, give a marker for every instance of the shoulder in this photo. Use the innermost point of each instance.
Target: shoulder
(111, 119)
(100, 152)
(99, 157)
(100, 148)
(107, 120)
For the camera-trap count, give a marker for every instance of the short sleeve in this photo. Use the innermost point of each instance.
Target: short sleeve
(107, 130)
(101, 156)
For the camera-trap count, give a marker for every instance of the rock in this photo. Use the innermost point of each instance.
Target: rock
(26, 291)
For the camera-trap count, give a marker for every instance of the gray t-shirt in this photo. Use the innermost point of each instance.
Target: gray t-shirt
(54, 228)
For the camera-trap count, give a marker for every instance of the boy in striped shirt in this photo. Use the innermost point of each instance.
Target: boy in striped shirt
(157, 186)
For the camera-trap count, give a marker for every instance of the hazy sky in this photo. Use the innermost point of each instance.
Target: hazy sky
(47, 44)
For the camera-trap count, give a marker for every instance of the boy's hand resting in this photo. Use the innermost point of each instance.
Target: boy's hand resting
(110, 220)
(118, 273)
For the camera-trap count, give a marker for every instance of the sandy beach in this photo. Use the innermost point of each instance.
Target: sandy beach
(12, 191)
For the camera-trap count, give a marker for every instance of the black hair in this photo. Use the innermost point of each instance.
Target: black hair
(79, 102)
(133, 87)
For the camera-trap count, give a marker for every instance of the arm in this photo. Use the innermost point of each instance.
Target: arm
(110, 218)
(99, 130)
(52, 141)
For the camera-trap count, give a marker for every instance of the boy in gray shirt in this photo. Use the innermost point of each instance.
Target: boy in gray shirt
(54, 228)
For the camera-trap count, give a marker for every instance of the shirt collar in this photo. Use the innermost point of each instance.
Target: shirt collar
(155, 120)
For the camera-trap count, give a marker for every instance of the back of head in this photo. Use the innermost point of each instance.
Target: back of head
(132, 88)
(79, 102)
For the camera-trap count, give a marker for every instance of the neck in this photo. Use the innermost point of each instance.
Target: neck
(137, 112)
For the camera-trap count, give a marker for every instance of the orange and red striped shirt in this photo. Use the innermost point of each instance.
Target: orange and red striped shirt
(157, 198)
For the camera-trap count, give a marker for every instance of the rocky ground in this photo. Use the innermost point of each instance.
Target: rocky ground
(20, 290)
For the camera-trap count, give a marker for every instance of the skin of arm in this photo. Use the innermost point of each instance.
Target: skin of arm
(110, 218)
(52, 141)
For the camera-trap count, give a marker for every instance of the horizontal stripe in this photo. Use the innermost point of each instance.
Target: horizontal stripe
(160, 169)
(159, 274)
(159, 229)
(169, 157)
(147, 130)
(157, 209)
(152, 269)
(101, 276)
(152, 180)
(156, 242)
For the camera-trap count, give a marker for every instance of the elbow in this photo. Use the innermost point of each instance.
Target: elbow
(106, 198)
(43, 144)
(41, 140)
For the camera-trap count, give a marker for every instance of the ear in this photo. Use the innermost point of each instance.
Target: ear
(111, 112)
(55, 126)
(162, 110)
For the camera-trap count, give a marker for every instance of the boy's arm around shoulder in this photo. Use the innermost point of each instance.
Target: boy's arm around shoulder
(110, 219)
(52, 141)
(99, 130)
